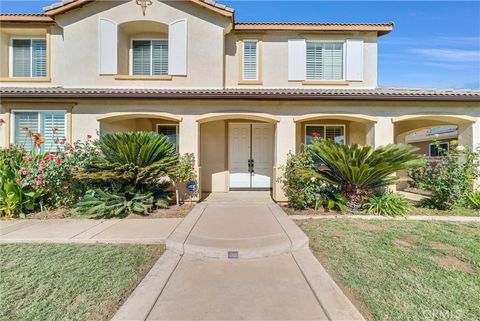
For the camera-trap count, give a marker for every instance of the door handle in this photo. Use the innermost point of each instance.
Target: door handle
(251, 165)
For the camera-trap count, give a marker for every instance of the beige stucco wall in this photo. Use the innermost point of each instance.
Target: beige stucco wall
(275, 58)
(75, 44)
(213, 158)
(208, 140)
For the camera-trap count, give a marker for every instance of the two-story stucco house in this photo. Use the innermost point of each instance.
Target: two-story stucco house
(240, 96)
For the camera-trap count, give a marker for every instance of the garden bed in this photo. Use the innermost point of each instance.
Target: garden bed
(402, 270)
(415, 211)
(70, 282)
(172, 211)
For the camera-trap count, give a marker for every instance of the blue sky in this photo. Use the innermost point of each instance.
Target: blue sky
(434, 43)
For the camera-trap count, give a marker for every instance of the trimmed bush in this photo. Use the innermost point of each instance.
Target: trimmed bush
(391, 204)
(299, 190)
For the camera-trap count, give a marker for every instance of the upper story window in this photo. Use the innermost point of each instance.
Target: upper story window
(250, 60)
(149, 57)
(333, 132)
(28, 58)
(324, 60)
(50, 125)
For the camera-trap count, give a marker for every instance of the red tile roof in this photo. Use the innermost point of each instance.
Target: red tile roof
(387, 94)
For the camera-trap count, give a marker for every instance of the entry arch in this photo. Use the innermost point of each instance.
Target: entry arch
(262, 117)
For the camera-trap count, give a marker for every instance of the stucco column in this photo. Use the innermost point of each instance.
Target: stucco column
(188, 142)
(380, 133)
(469, 136)
(285, 137)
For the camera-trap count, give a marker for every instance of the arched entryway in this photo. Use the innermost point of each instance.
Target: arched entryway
(160, 122)
(237, 151)
(433, 135)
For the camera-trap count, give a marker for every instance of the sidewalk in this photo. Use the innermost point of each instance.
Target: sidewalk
(231, 260)
(144, 231)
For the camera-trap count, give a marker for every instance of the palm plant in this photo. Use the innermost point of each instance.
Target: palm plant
(133, 157)
(359, 170)
(138, 165)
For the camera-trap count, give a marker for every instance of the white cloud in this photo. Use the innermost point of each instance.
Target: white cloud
(459, 55)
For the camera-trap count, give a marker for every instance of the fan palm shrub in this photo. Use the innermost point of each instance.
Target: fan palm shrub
(132, 171)
(359, 170)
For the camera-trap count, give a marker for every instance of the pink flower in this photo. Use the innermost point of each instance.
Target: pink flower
(40, 176)
(48, 157)
(41, 165)
(24, 171)
(39, 182)
(29, 158)
(2, 122)
(89, 136)
(58, 160)
(63, 141)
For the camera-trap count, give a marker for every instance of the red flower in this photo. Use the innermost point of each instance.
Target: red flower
(55, 129)
(2, 122)
(316, 134)
(29, 158)
(58, 160)
(89, 136)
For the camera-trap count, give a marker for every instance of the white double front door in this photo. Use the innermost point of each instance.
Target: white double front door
(250, 155)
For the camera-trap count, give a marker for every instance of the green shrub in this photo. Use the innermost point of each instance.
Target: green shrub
(330, 198)
(389, 203)
(299, 190)
(183, 173)
(17, 196)
(449, 179)
(101, 203)
(473, 200)
(359, 170)
(138, 165)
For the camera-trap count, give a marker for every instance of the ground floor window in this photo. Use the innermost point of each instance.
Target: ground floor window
(333, 132)
(171, 131)
(45, 130)
(438, 149)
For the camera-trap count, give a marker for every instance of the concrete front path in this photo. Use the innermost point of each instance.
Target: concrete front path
(271, 275)
(146, 231)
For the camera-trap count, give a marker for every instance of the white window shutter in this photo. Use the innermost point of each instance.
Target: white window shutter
(107, 47)
(177, 48)
(354, 60)
(297, 59)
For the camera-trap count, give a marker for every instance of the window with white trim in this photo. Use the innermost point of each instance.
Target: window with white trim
(438, 149)
(29, 126)
(28, 58)
(324, 60)
(149, 57)
(171, 131)
(333, 132)
(250, 60)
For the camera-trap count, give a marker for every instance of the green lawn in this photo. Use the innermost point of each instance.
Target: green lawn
(69, 282)
(402, 270)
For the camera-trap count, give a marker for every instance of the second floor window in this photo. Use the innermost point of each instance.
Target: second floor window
(149, 57)
(28, 58)
(324, 60)
(250, 60)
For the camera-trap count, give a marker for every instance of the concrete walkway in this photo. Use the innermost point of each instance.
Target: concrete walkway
(234, 260)
(145, 231)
